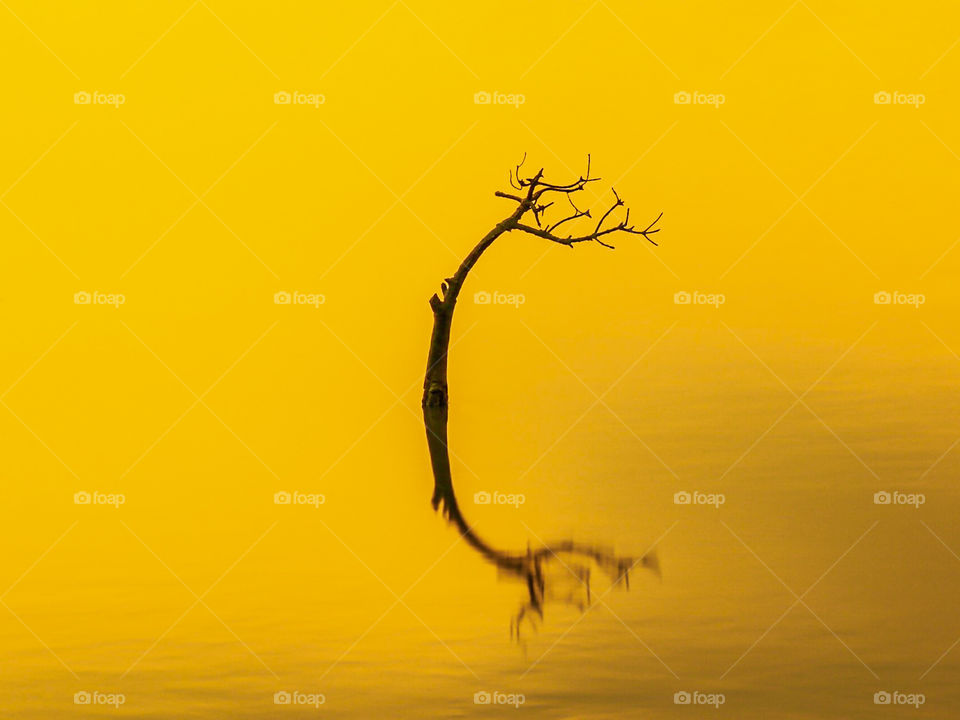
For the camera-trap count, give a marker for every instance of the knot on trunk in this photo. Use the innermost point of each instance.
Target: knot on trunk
(434, 395)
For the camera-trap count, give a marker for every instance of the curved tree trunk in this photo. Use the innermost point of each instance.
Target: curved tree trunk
(435, 391)
(527, 566)
(436, 398)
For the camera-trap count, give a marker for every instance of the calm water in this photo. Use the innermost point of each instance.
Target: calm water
(312, 606)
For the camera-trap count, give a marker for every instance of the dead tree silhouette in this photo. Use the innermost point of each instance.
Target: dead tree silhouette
(531, 193)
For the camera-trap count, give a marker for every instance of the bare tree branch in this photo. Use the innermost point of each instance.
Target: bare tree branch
(531, 565)
(527, 200)
(537, 187)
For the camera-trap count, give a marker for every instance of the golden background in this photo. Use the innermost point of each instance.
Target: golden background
(198, 198)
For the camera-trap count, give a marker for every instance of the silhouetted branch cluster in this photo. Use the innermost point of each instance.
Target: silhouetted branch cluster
(532, 191)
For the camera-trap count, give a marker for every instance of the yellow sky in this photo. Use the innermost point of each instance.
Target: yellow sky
(789, 188)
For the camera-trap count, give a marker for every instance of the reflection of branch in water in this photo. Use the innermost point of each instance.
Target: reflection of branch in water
(570, 583)
(531, 566)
